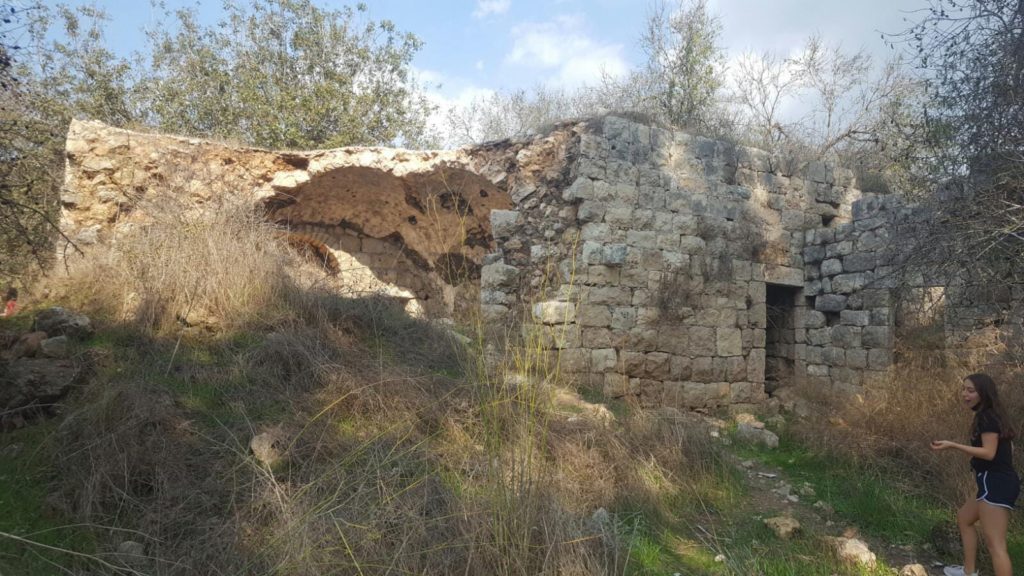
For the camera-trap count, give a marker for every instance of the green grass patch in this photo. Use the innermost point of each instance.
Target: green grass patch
(876, 503)
(751, 548)
(24, 487)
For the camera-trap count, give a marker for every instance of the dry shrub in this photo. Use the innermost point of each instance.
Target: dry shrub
(131, 463)
(891, 424)
(219, 263)
(404, 450)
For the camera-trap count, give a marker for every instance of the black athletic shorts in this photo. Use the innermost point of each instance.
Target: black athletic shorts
(998, 488)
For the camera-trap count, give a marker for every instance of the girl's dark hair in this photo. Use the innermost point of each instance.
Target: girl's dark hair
(12, 293)
(988, 399)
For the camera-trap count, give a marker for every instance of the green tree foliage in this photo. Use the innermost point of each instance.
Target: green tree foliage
(271, 73)
(30, 149)
(684, 62)
(285, 74)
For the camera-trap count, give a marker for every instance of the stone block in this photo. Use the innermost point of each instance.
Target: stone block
(652, 393)
(847, 336)
(599, 275)
(746, 392)
(814, 254)
(831, 267)
(597, 338)
(837, 249)
(559, 337)
(504, 223)
(611, 295)
(814, 319)
(554, 312)
(702, 369)
(619, 385)
(703, 341)
(877, 337)
(623, 317)
(819, 336)
(873, 240)
(814, 354)
(499, 275)
(603, 360)
(574, 360)
(643, 339)
(849, 283)
(845, 378)
(859, 262)
(784, 275)
(494, 312)
(757, 292)
(619, 216)
(729, 342)
(595, 232)
(817, 370)
(668, 241)
(830, 303)
(735, 369)
(594, 315)
(633, 363)
(581, 189)
(755, 365)
(881, 316)
(692, 245)
(680, 368)
(658, 365)
(674, 339)
(857, 358)
(642, 239)
(590, 211)
(834, 356)
(855, 317)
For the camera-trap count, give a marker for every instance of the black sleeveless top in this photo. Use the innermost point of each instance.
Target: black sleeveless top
(985, 422)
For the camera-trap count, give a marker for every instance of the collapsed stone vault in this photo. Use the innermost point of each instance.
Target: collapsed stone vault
(675, 269)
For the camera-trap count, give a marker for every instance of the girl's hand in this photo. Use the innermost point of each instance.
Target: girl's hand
(938, 445)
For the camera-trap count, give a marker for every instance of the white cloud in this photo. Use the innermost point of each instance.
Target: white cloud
(448, 94)
(562, 47)
(485, 8)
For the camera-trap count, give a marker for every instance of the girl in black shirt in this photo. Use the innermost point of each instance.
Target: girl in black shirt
(991, 453)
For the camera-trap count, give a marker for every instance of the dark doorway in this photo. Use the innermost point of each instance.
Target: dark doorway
(780, 336)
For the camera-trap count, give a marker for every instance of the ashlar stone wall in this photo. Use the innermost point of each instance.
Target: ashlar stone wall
(647, 266)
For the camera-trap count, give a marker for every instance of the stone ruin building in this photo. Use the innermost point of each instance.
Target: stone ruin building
(651, 263)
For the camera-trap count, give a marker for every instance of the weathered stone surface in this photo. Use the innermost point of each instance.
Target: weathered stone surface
(853, 550)
(652, 269)
(57, 347)
(554, 312)
(499, 275)
(35, 382)
(58, 321)
(750, 433)
(504, 222)
(268, 447)
(783, 527)
(830, 303)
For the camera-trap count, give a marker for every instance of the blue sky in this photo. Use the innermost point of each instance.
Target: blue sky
(473, 47)
(495, 44)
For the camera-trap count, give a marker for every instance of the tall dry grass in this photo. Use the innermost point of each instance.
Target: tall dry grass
(890, 425)
(404, 450)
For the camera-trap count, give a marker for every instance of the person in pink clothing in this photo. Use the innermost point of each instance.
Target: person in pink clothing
(10, 301)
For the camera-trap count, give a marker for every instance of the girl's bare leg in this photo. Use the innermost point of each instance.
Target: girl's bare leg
(994, 520)
(966, 518)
